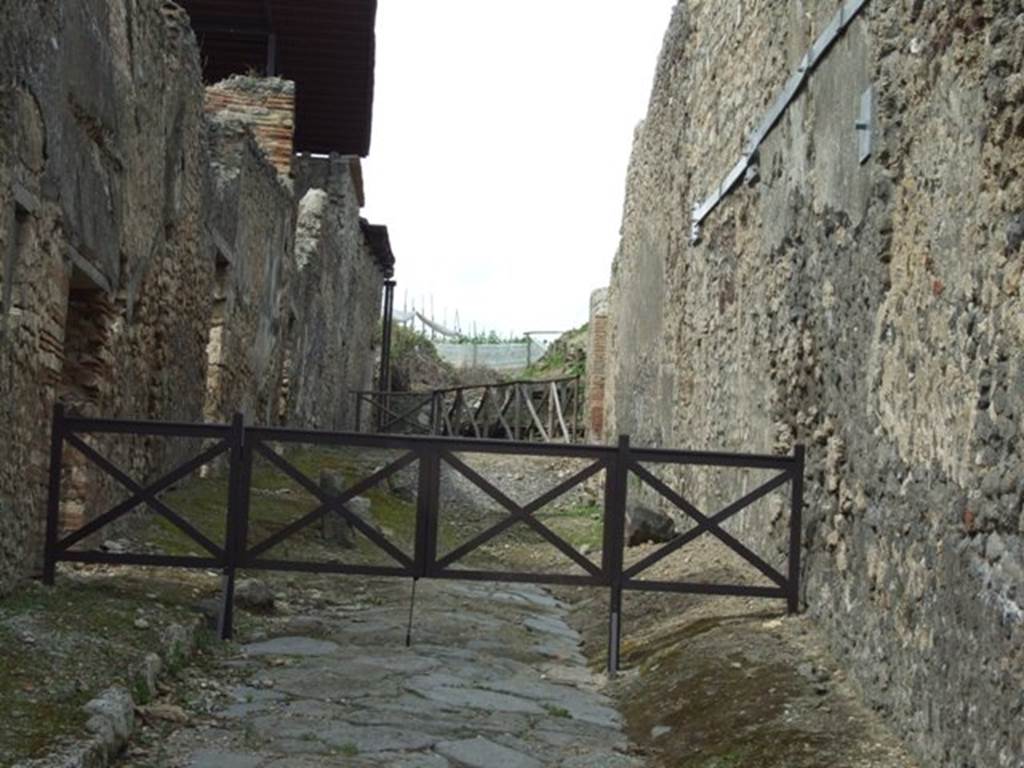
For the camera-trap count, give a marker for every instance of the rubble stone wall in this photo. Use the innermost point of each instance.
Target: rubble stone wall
(872, 311)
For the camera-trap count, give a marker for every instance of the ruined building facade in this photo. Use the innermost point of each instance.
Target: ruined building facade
(858, 289)
(164, 254)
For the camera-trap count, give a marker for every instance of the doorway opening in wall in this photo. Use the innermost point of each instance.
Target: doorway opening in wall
(85, 377)
(215, 353)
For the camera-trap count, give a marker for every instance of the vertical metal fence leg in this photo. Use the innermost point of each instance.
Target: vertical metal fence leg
(614, 629)
(359, 412)
(53, 499)
(425, 481)
(232, 540)
(796, 532)
(615, 519)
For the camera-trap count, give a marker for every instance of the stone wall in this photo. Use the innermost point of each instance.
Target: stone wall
(147, 252)
(597, 364)
(252, 218)
(871, 311)
(267, 106)
(101, 225)
(335, 298)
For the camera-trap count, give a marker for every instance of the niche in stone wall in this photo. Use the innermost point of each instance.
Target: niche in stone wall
(87, 362)
(84, 386)
(215, 345)
(21, 239)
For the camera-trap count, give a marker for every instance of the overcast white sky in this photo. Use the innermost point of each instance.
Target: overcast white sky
(501, 136)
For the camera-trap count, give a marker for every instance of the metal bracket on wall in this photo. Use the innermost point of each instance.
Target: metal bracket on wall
(864, 125)
(832, 32)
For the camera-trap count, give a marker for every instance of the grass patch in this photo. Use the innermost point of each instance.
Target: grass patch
(349, 749)
(556, 711)
(63, 645)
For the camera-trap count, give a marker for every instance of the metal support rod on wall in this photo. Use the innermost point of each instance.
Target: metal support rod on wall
(385, 348)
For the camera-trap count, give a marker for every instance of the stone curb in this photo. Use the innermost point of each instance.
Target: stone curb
(111, 714)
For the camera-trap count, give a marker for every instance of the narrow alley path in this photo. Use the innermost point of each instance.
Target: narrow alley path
(494, 677)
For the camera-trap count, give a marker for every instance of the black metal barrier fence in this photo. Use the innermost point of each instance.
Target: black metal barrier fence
(241, 444)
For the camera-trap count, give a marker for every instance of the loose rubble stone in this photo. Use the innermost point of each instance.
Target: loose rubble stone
(645, 525)
(254, 595)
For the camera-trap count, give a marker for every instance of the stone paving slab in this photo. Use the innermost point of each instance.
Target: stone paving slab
(494, 679)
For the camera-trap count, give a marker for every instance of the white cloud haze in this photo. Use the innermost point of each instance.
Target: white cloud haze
(501, 137)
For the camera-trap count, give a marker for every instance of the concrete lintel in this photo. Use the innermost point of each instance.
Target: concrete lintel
(83, 265)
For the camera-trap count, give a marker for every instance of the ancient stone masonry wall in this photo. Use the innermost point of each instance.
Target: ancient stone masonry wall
(101, 228)
(335, 297)
(872, 311)
(265, 104)
(147, 260)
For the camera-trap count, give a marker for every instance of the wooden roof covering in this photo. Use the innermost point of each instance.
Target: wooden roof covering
(326, 46)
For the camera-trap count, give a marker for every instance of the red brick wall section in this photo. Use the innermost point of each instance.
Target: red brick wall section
(267, 105)
(597, 361)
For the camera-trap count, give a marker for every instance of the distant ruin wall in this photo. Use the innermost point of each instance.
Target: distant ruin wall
(872, 311)
(146, 249)
(335, 299)
(252, 220)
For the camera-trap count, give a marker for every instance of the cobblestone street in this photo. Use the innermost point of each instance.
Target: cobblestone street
(494, 677)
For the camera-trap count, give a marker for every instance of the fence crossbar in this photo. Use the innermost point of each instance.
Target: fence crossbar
(708, 525)
(700, 588)
(331, 502)
(150, 499)
(519, 514)
(126, 506)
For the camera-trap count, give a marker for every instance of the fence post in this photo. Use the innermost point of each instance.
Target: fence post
(516, 413)
(576, 410)
(232, 530)
(359, 412)
(615, 490)
(53, 499)
(433, 430)
(796, 530)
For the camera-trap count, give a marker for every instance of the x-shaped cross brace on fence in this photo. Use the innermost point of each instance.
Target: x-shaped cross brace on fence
(517, 513)
(332, 503)
(705, 524)
(147, 495)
